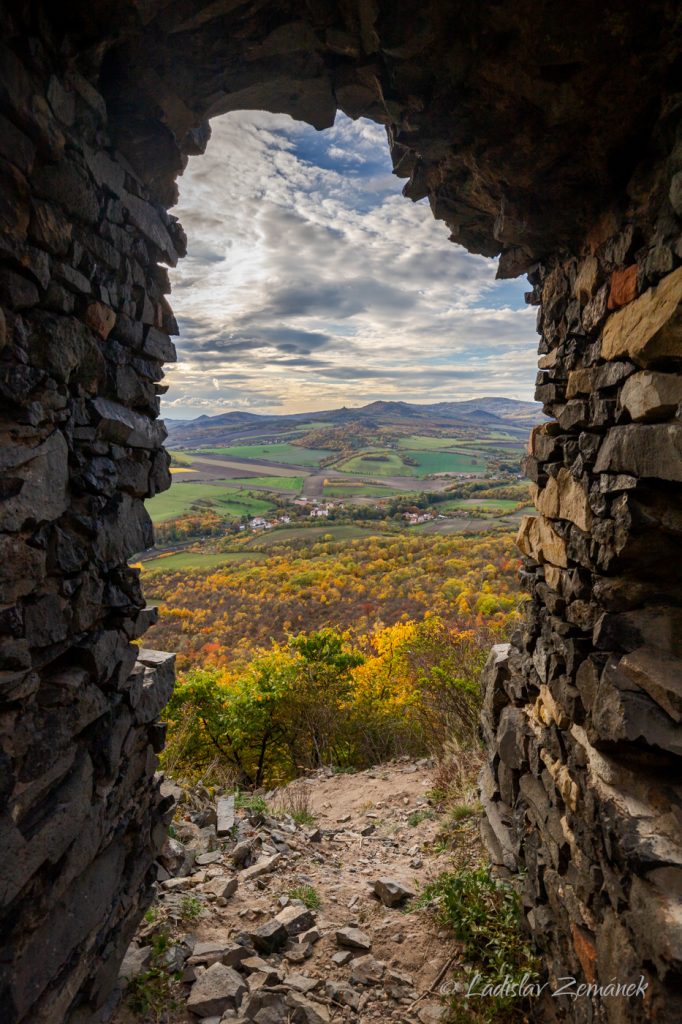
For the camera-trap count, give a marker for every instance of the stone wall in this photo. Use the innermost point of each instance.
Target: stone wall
(583, 790)
(84, 328)
(522, 123)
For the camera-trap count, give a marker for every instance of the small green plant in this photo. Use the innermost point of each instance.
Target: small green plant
(152, 915)
(172, 832)
(295, 801)
(485, 916)
(249, 802)
(307, 895)
(459, 816)
(155, 993)
(190, 908)
(462, 811)
(417, 817)
(304, 818)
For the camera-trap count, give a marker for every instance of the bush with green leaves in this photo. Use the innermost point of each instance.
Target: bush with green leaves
(327, 698)
(484, 914)
(156, 992)
(286, 711)
(191, 908)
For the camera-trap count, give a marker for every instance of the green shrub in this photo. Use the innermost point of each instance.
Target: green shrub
(461, 811)
(417, 817)
(190, 908)
(155, 993)
(303, 817)
(485, 916)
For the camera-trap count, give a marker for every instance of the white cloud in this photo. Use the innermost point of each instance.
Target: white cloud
(311, 282)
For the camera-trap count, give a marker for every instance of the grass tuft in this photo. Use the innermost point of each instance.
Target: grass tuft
(190, 909)
(249, 802)
(417, 817)
(294, 800)
(307, 894)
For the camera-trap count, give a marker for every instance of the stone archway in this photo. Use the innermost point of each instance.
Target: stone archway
(547, 133)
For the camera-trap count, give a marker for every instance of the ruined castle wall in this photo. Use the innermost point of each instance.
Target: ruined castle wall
(84, 329)
(582, 716)
(519, 122)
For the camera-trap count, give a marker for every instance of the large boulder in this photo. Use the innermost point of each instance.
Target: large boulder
(218, 989)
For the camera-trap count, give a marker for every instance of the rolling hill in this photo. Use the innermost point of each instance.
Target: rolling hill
(495, 417)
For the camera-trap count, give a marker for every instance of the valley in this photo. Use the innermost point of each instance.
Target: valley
(331, 589)
(448, 467)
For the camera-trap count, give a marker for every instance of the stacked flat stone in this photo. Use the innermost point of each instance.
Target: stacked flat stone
(84, 329)
(582, 716)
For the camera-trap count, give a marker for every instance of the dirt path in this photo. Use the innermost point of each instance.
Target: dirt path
(359, 828)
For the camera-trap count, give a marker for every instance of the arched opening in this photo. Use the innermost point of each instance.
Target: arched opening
(546, 136)
(312, 281)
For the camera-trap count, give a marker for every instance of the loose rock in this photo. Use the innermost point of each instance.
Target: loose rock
(353, 938)
(218, 989)
(392, 893)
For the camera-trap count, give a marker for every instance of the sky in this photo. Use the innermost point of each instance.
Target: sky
(312, 283)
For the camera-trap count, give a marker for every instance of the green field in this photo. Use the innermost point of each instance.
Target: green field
(445, 462)
(390, 463)
(508, 444)
(186, 497)
(485, 504)
(379, 463)
(269, 483)
(360, 490)
(311, 534)
(279, 452)
(197, 560)
(422, 443)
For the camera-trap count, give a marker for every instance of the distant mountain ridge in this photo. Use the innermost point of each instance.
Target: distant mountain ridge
(510, 414)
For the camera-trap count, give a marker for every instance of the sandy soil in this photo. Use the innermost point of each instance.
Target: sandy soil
(341, 867)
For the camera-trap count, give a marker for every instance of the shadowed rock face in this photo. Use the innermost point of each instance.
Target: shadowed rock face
(518, 121)
(545, 132)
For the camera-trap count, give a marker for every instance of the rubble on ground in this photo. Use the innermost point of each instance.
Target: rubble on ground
(233, 882)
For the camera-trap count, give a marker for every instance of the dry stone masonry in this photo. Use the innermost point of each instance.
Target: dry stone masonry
(84, 330)
(583, 710)
(545, 133)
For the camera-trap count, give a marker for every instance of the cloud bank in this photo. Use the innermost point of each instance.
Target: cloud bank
(311, 282)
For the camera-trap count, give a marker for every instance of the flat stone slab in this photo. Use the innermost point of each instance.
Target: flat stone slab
(353, 938)
(262, 867)
(212, 857)
(225, 812)
(221, 886)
